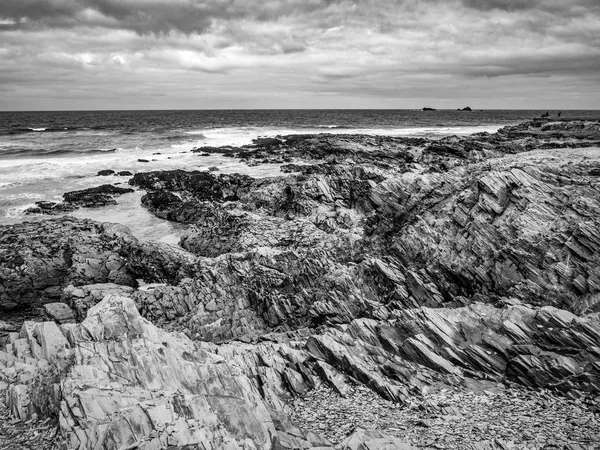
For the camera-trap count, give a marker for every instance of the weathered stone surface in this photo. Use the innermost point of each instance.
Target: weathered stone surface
(401, 266)
(203, 185)
(82, 298)
(523, 226)
(59, 312)
(38, 259)
(127, 383)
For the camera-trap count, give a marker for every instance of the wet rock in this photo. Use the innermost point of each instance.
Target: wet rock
(94, 197)
(124, 173)
(103, 173)
(50, 208)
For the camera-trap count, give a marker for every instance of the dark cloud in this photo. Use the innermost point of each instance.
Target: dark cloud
(149, 16)
(564, 8)
(253, 52)
(505, 5)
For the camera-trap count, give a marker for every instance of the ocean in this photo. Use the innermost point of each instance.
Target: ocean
(44, 154)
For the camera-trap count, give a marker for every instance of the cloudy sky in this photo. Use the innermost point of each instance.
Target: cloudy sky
(138, 54)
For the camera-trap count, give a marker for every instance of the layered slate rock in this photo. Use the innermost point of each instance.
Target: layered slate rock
(125, 383)
(409, 266)
(524, 226)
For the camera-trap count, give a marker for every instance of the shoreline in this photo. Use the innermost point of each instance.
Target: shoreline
(437, 283)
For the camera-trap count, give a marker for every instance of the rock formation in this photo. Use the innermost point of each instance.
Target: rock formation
(87, 198)
(401, 268)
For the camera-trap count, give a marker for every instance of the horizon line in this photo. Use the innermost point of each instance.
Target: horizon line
(293, 109)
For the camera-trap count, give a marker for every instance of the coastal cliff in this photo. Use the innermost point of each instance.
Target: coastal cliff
(440, 283)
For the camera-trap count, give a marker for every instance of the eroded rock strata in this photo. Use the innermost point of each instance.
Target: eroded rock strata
(423, 278)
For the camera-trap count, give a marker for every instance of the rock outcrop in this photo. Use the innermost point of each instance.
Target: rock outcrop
(87, 198)
(408, 267)
(125, 383)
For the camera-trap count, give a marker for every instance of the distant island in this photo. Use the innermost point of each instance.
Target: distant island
(466, 108)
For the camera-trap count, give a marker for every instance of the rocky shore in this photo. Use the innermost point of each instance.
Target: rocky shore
(385, 292)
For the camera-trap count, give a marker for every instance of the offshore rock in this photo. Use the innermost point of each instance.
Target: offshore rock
(50, 208)
(87, 198)
(94, 197)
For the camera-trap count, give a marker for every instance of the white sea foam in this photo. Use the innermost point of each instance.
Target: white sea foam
(26, 180)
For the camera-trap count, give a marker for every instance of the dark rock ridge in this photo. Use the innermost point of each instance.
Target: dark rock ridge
(408, 266)
(96, 196)
(88, 198)
(391, 152)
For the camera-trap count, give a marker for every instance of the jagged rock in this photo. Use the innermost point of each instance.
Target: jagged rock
(124, 173)
(38, 259)
(405, 265)
(514, 227)
(103, 173)
(183, 396)
(203, 185)
(5, 326)
(82, 298)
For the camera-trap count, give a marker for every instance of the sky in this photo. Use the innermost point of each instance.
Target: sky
(221, 54)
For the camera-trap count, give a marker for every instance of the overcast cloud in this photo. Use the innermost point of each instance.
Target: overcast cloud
(115, 54)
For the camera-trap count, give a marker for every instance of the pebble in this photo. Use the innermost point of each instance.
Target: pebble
(512, 418)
